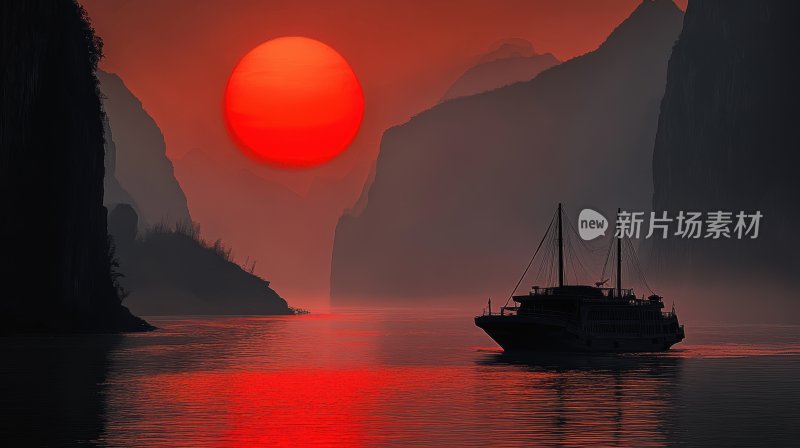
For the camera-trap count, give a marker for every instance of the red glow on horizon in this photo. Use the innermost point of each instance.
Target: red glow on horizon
(293, 102)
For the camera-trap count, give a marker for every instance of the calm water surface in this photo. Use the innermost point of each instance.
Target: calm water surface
(393, 379)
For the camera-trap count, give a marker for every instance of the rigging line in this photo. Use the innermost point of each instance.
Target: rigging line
(546, 260)
(585, 244)
(565, 251)
(628, 264)
(551, 260)
(631, 263)
(571, 256)
(540, 269)
(638, 266)
(530, 262)
(584, 271)
(572, 263)
(542, 263)
(567, 259)
(614, 273)
(634, 267)
(552, 267)
(586, 247)
(641, 273)
(569, 253)
(608, 255)
(614, 265)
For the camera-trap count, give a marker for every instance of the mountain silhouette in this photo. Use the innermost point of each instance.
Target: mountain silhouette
(171, 271)
(57, 259)
(141, 166)
(514, 60)
(113, 192)
(727, 141)
(463, 191)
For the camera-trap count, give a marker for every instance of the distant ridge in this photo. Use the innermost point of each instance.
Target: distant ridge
(513, 60)
(456, 201)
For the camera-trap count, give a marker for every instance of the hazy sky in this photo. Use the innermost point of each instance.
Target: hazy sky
(176, 56)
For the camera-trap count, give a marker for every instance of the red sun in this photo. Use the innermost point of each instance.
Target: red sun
(293, 102)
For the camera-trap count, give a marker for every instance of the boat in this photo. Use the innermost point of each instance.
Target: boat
(582, 318)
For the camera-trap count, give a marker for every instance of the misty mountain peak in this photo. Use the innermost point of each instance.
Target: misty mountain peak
(507, 62)
(509, 48)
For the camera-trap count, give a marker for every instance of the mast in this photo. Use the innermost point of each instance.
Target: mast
(619, 261)
(560, 251)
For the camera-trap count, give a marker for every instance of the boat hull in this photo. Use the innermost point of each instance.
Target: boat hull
(537, 334)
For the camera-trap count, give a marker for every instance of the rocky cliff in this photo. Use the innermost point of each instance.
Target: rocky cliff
(141, 166)
(727, 138)
(56, 260)
(170, 270)
(463, 192)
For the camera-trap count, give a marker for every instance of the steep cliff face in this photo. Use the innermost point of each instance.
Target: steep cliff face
(727, 137)
(141, 164)
(113, 192)
(56, 273)
(513, 61)
(170, 270)
(463, 191)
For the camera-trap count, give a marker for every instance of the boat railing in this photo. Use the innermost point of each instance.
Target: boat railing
(509, 310)
(558, 291)
(610, 293)
(504, 311)
(514, 310)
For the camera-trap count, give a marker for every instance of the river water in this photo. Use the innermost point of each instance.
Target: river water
(392, 378)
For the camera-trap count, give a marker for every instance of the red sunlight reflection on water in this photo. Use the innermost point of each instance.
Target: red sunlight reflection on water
(391, 406)
(394, 381)
(282, 408)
